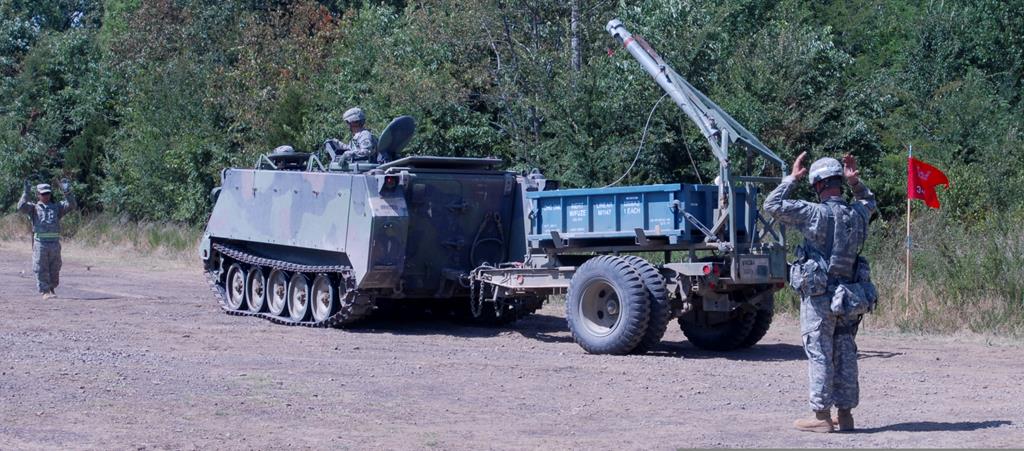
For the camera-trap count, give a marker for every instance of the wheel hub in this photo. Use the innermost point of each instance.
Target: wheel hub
(600, 308)
(612, 307)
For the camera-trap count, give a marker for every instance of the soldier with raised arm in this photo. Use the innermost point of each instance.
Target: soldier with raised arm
(46, 216)
(832, 280)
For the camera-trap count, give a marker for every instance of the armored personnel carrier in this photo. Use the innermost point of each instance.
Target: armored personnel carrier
(298, 243)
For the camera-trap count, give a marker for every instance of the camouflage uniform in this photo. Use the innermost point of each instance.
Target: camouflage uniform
(361, 147)
(828, 334)
(46, 261)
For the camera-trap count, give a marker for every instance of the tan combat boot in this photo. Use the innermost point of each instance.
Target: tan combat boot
(822, 422)
(844, 420)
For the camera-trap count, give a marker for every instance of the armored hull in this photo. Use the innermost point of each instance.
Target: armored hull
(322, 247)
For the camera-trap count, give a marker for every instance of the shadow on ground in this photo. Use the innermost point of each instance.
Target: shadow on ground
(937, 426)
(553, 329)
(877, 355)
(545, 328)
(770, 352)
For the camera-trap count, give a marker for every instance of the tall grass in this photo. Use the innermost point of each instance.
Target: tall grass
(178, 241)
(963, 277)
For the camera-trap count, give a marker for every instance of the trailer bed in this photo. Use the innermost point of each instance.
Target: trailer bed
(666, 214)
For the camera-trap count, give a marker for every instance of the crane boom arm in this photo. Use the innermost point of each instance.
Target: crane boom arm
(714, 123)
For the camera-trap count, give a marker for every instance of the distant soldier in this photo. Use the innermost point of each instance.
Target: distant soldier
(46, 216)
(363, 146)
(833, 282)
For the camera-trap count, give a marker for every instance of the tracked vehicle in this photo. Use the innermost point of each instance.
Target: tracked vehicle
(298, 243)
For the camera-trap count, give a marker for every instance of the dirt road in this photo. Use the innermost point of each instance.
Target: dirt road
(135, 353)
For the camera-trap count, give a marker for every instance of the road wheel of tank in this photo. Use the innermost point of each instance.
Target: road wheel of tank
(718, 331)
(298, 297)
(607, 306)
(277, 292)
(762, 322)
(661, 311)
(323, 301)
(235, 287)
(256, 290)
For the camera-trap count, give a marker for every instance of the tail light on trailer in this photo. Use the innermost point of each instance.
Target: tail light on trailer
(712, 268)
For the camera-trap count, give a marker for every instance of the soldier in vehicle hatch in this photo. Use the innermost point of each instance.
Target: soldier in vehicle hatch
(832, 280)
(363, 145)
(46, 216)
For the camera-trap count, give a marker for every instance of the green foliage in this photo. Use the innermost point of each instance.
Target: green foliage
(142, 96)
(142, 102)
(116, 14)
(166, 148)
(52, 93)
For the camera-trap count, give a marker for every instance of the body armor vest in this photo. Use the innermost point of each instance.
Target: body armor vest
(847, 230)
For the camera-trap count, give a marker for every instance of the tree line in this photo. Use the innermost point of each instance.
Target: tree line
(142, 102)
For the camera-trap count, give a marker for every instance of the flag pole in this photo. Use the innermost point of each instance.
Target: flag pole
(910, 154)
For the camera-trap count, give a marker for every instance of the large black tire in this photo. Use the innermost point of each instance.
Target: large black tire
(607, 306)
(762, 322)
(724, 335)
(661, 311)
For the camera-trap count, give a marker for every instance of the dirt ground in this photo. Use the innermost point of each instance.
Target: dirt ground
(136, 353)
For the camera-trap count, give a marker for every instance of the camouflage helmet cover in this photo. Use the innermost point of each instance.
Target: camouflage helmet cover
(44, 188)
(824, 168)
(354, 115)
(283, 149)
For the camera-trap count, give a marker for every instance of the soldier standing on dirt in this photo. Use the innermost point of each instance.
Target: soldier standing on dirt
(363, 144)
(46, 216)
(833, 282)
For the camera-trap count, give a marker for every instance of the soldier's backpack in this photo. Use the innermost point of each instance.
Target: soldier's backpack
(849, 231)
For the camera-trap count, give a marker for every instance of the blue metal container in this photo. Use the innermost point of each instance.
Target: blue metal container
(606, 214)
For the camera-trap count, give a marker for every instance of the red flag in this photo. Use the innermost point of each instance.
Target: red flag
(922, 178)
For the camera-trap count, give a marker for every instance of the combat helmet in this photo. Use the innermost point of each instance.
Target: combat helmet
(824, 168)
(354, 115)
